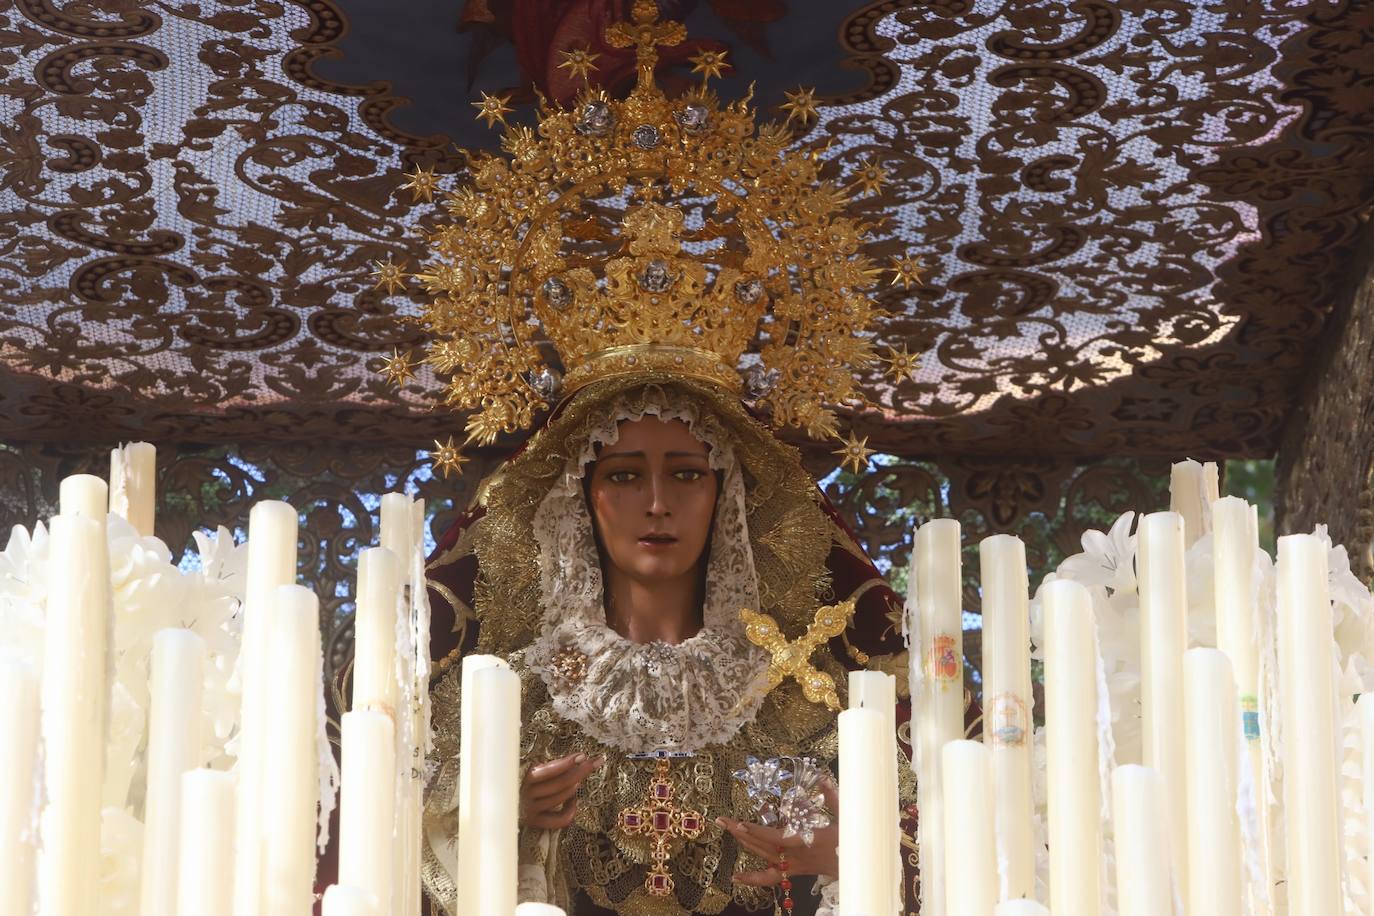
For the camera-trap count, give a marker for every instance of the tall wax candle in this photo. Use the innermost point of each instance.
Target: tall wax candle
(1214, 876)
(290, 784)
(85, 495)
(75, 642)
(271, 564)
(401, 533)
(346, 900)
(865, 869)
(970, 873)
(878, 691)
(1235, 546)
(492, 756)
(1163, 639)
(367, 808)
(133, 485)
(174, 746)
(18, 761)
(1007, 706)
(205, 875)
(374, 656)
(1143, 885)
(1073, 784)
(935, 612)
(468, 736)
(397, 522)
(1307, 685)
(1192, 490)
(1365, 710)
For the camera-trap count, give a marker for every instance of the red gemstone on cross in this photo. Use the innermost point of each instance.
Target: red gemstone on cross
(631, 820)
(690, 823)
(660, 883)
(662, 790)
(661, 821)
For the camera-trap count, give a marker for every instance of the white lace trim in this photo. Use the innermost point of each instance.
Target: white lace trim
(643, 697)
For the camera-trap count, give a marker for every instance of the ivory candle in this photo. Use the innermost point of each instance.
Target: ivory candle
(374, 654)
(205, 855)
(878, 691)
(290, 784)
(18, 761)
(1235, 544)
(1214, 877)
(468, 837)
(1021, 908)
(174, 746)
(397, 524)
(133, 485)
(867, 879)
(1307, 684)
(1007, 709)
(367, 809)
(538, 909)
(346, 900)
(1163, 639)
(73, 689)
(85, 495)
(491, 713)
(937, 684)
(1143, 887)
(1192, 490)
(1074, 789)
(970, 873)
(1365, 709)
(271, 564)
(401, 534)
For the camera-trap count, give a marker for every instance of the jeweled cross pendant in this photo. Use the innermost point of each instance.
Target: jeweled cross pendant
(661, 821)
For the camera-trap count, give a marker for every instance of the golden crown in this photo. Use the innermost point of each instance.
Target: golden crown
(647, 234)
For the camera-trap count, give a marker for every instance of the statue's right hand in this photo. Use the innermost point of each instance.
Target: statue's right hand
(548, 794)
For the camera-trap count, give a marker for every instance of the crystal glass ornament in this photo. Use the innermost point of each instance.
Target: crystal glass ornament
(759, 383)
(693, 118)
(546, 382)
(749, 291)
(655, 277)
(595, 119)
(557, 293)
(646, 136)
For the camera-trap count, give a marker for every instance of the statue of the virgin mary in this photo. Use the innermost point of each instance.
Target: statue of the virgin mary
(615, 559)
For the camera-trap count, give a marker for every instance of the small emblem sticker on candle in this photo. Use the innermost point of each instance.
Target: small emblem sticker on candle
(1249, 717)
(943, 662)
(1007, 719)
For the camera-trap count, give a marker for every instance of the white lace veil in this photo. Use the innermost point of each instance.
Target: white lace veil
(644, 697)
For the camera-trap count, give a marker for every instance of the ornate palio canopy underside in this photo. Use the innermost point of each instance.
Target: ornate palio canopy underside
(1137, 216)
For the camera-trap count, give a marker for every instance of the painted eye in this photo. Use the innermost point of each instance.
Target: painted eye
(621, 476)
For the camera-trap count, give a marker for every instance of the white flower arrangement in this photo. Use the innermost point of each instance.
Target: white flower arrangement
(149, 594)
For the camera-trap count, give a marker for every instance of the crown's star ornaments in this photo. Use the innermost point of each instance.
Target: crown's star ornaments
(901, 365)
(853, 453)
(577, 235)
(399, 367)
(907, 271)
(493, 109)
(388, 274)
(579, 62)
(447, 458)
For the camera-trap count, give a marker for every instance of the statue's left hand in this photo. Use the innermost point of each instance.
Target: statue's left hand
(822, 857)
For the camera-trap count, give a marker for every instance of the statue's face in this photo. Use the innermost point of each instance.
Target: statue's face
(652, 495)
